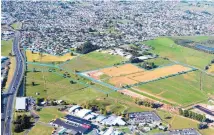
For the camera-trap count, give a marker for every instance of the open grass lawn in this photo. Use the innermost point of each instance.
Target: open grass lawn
(46, 57)
(179, 122)
(6, 47)
(182, 89)
(166, 47)
(176, 121)
(16, 25)
(50, 85)
(48, 114)
(40, 129)
(92, 61)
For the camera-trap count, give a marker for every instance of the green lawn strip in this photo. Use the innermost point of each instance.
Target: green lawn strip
(166, 47)
(6, 47)
(40, 129)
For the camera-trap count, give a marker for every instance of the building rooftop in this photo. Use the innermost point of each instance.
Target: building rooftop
(21, 103)
(72, 126)
(77, 119)
(83, 112)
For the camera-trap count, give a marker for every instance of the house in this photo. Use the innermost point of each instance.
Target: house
(21, 103)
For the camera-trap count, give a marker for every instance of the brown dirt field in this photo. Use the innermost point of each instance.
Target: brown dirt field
(157, 73)
(121, 81)
(121, 70)
(147, 75)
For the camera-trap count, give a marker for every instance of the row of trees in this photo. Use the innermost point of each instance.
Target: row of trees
(192, 115)
(86, 48)
(147, 103)
(22, 122)
(148, 65)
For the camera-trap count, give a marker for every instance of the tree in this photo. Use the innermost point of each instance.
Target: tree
(72, 54)
(33, 83)
(186, 113)
(10, 54)
(17, 128)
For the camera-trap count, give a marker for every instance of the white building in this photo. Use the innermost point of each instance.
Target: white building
(83, 112)
(21, 103)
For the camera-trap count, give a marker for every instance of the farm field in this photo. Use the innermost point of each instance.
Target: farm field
(145, 76)
(92, 61)
(46, 57)
(166, 47)
(183, 89)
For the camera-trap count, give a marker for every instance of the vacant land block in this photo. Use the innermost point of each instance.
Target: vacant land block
(121, 70)
(92, 61)
(166, 47)
(34, 56)
(183, 89)
(6, 47)
(146, 76)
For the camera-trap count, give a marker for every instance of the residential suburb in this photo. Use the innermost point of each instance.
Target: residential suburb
(107, 67)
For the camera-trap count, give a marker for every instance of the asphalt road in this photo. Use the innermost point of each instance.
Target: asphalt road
(14, 86)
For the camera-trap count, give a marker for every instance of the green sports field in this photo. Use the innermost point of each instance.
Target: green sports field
(166, 47)
(182, 89)
(92, 61)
